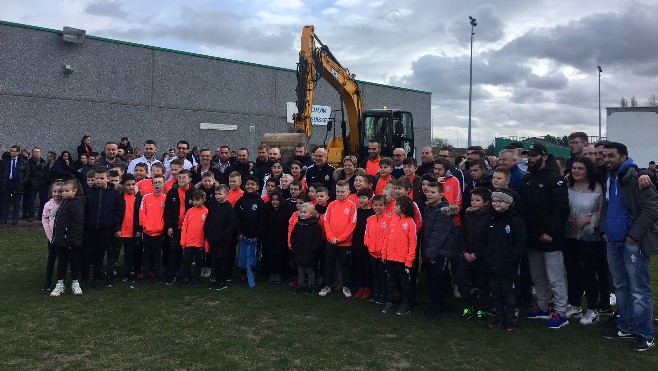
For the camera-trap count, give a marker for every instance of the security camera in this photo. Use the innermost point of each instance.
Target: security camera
(68, 69)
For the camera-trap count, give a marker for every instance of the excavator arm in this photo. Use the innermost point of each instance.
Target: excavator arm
(318, 62)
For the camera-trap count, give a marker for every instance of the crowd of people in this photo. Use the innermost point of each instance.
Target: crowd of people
(521, 231)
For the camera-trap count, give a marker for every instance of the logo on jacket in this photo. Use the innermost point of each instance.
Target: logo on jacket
(347, 211)
(384, 225)
(326, 178)
(405, 226)
(448, 188)
(203, 216)
(254, 207)
(541, 185)
(508, 229)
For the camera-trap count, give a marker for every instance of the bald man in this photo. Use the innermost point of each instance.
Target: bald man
(320, 172)
(399, 154)
(426, 162)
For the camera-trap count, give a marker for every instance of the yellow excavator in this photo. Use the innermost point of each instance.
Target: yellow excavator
(391, 127)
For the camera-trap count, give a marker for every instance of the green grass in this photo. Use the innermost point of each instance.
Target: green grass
(152, 326)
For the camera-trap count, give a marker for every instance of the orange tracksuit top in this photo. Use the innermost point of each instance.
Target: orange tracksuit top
(291, 225)
(151, 214)
(381, 184)
(192, 234)
(169, 184)
(453, 193)
(372, 167)
(400, 241)
(340, 221)
(418, 219)
(145, 186)
(234, 195)
(128, 216)
(376, 228)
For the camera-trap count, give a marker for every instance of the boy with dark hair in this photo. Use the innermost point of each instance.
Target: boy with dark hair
(295, 190)
(131, 232)
(470, 268)
(104, 210)
(234, 183)
(376, 226)
(179, 200)
(193, 238)
(439, 243)
(250, 214)
(322, 201)
(384, 175)
(361, 263)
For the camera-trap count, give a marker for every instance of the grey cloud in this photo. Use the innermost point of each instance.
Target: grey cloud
(489, 27)
(603, 39)
(106, 9)
(554, 81)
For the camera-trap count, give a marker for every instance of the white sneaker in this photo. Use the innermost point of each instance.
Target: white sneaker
(58, 290)
(205, 272)
(347, 292)
(455, 292)
(325, 291)
(574, 312)
(75, 288)
(590, 317)
(613, 299)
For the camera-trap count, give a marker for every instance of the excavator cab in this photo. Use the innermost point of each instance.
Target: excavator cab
(392, 128)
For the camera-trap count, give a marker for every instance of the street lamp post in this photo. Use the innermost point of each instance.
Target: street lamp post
(470, 83)
(600, 70)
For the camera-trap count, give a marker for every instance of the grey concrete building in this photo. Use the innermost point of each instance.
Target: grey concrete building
(112, 89)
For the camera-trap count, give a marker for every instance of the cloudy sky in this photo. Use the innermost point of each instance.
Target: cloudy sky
(534, 62)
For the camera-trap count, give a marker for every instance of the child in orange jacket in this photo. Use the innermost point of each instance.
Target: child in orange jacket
(151, 219)
(399, 252)
(339, 224)
(376, 228)
(193, 238)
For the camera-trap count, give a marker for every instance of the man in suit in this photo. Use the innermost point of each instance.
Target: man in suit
(14, 172)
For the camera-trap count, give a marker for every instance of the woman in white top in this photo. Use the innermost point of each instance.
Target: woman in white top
(582, 233)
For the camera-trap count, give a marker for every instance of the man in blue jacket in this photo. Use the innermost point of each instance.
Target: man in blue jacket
(628, 219)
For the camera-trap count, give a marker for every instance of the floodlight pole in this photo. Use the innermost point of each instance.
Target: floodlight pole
(470, 83)
(600, 70)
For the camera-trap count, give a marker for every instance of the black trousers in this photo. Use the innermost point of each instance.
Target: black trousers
(398, 277)
(580, 261)
(129, 256)
(68, 257)
(50, 263)
(96, 242)
(151, 256)
(342, 254)
(380, 277)
(504, 297)
(175, 254)
(362, 267)
(472, 272)
(191, 254)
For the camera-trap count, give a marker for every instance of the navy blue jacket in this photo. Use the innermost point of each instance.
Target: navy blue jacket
(104, 208)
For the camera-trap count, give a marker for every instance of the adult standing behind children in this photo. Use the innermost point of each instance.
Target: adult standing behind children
(148, 157)
(629, 218)
(110, 157)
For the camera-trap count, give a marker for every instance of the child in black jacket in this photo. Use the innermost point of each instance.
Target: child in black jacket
(275, 239)
(306, 240)
(469, 269)
(219, 228)
(500, 247)
(250, 214)
(67, 236)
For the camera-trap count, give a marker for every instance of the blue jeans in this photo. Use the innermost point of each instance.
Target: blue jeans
(630, 278)
(247, 258)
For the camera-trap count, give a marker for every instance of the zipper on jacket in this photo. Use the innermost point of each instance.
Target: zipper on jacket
(100, 203)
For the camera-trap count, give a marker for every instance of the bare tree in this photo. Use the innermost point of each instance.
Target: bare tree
(624, 102)
(440, 143)
(653, 101)
(633, 101)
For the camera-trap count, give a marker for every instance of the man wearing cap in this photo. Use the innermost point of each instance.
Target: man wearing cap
(547, 209)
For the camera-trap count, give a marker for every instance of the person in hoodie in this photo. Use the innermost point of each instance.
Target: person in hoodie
(301, 155)
(68, 232)
(480, 177)
(499, 247)
(104, 210)
(275, 244)
(219, 229)
(629, 224)
(470, 267)
(546, 200)
(250, 214)
(439, 243)
(306, 239)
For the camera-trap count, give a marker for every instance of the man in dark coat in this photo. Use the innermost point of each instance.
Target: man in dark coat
(14, 173)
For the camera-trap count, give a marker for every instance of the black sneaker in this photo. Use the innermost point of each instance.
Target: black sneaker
(310, 290)
(388, 307)
(403, 310)
(219, 286)
(300, 289)
(46, 288)
(96, 284)
(170, 281)
(641, 343)
(616, 334)
(109, 282)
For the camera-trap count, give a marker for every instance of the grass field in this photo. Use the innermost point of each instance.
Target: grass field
(153, 326)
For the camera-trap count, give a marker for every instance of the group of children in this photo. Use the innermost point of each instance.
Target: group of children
(369, 239)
